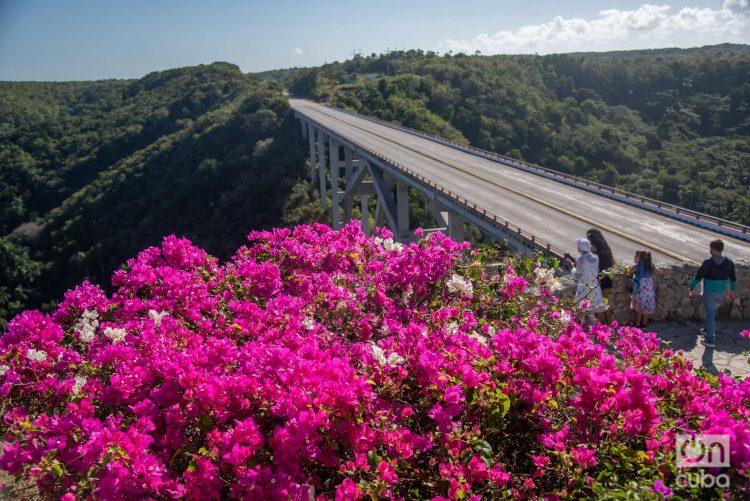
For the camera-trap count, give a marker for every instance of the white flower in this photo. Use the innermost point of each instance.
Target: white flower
(309, 323)
(379, 355)
(156, 316)
(491, 331)
(451, 328)
(36, 355)
(389, 244)
(86, 326)
(565, 318)
(87, 334)
(545, 277)
(90, 315)
(395, 359)
(482, 340)
(459, 284)
(3, 369)
(78, 384)
(115, 334)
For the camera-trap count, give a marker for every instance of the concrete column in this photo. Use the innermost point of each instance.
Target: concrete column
(322, 169)
(348, 207)
(455, 227)
(379, 217)
(333, 153)
(304, 129)
(364, 208)
(348, 167)
(402, 208)
(313, 160)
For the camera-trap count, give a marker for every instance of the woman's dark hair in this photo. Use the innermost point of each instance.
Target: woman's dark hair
(602, 247)
(646, 261)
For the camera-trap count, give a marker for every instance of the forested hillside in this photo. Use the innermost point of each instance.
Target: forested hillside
(93, 172)
(671, 124)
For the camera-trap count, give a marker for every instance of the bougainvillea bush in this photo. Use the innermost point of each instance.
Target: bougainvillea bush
(328, 365)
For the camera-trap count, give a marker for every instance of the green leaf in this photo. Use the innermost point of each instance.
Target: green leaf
(483, 447)
(57, 470)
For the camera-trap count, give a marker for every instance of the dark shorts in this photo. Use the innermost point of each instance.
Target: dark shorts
(605, 282)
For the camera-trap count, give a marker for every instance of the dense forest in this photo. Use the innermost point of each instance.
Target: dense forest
(93, 172)
(671, 124)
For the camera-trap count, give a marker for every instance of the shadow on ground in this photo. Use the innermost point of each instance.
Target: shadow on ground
(726, 357)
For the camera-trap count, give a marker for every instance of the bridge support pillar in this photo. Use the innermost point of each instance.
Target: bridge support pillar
(333, 157)
(386, 210)
(364, 209)
(313, 159)
(348, 163)
(455, 227)
(438, 213)
(322, 169)
(402, 206)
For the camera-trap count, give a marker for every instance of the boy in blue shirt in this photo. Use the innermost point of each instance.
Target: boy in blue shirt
(719, 278)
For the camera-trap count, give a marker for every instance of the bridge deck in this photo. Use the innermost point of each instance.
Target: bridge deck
(551, 210)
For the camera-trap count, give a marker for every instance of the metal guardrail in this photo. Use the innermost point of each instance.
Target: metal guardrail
(503, 224)
(669, 210)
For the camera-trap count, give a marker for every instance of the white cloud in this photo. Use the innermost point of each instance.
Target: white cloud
(297, 51)
(645, 27)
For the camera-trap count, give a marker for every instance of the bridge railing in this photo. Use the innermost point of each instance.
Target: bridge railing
(591, 185)
(531, 240)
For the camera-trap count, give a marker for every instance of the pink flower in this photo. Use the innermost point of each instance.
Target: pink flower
(322, 358)
(499, 476)
(662, 489)
(453, 394)
(348, 491)
(584, 457)
(387, 473)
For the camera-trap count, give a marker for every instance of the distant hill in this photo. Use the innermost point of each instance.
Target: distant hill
(93, 172)
(673, 124)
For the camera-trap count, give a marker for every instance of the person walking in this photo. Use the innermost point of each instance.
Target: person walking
(600, 247)
(719, 279)
(585, 272)
(643, 299)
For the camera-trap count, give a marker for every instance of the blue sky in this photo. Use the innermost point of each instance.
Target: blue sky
(85, 40)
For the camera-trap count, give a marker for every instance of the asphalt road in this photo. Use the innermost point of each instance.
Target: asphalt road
(551, 210)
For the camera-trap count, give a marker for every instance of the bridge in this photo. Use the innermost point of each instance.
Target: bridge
(354, 157)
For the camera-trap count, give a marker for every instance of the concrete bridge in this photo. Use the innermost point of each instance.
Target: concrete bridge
(354, 157)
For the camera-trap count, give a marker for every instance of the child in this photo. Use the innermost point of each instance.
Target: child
(643, 301)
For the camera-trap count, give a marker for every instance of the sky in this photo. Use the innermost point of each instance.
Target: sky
(98, 39)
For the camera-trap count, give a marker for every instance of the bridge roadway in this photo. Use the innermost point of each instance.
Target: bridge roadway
(555, 212)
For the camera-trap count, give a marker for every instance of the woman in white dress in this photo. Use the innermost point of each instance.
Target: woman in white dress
(586, 273)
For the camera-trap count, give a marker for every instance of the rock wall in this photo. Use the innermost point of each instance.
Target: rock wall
(672, 301)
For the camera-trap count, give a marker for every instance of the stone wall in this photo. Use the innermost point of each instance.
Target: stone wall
(672, 301)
